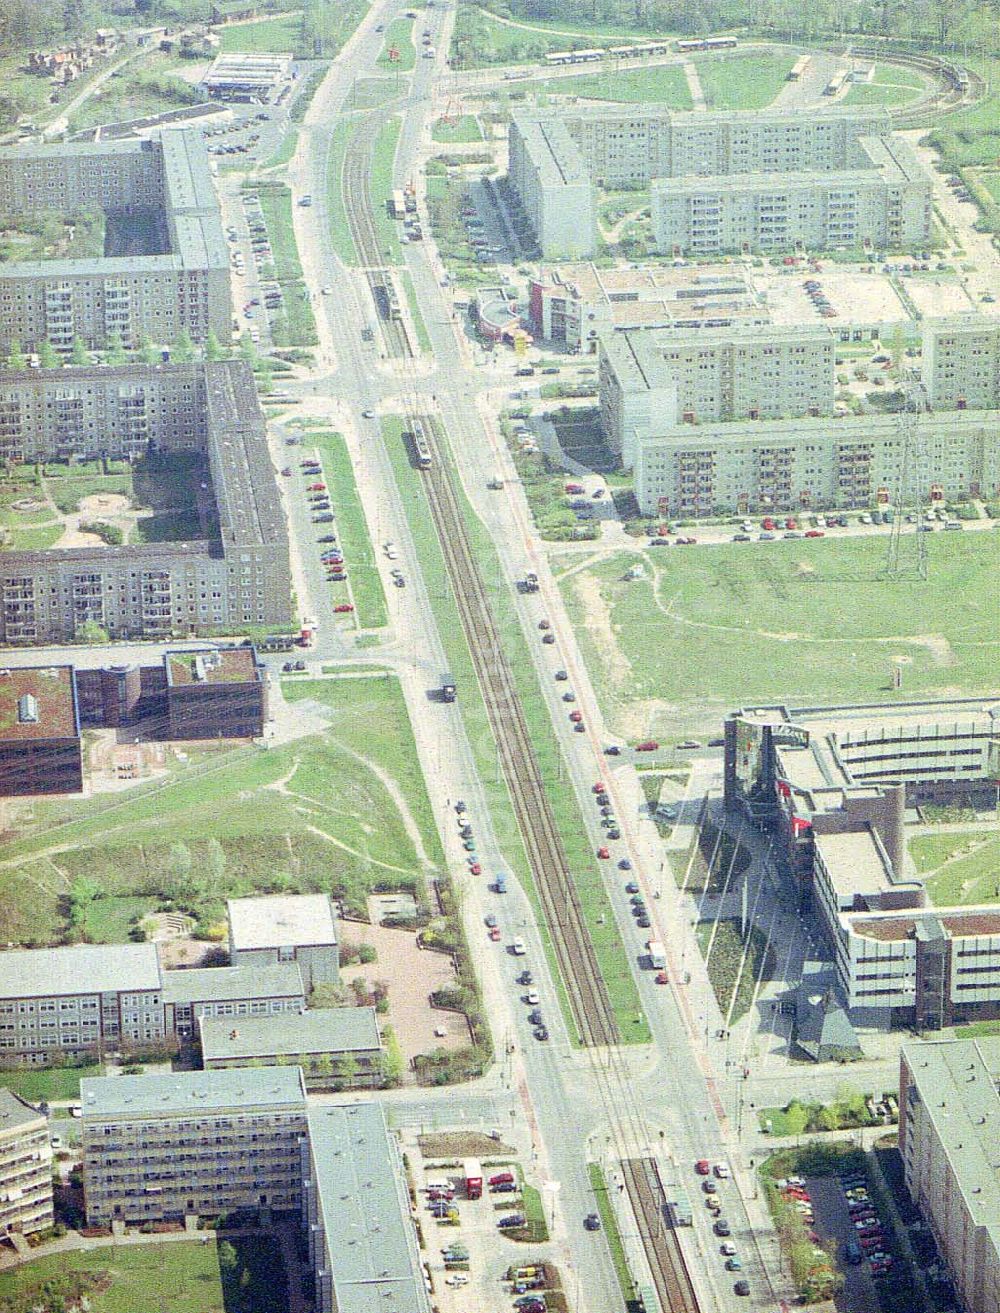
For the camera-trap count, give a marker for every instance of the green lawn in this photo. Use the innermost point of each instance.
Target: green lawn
(991, 181)
(805, 622)
(280, 34)
(609, 1220)
(661, 84)
(423, 342)
(734, 979)
(285, 151)
(184, 1276)
(352, 529)
(340, 229)
(739, 81)
(930, 850)
(34, 538)
(139, 90)
(398, 37)
(599, 918)
(383, 162)
(371, 93)
(968, 136)
(61, 1083)
(67, 493)
(108, 920)
(969, 872)
(480, 40)
(888, 90)
(464, 128)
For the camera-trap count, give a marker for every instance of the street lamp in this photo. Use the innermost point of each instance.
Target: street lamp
(551, 1189)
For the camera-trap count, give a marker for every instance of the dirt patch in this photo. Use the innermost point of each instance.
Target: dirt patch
(72, 536)
(104, 503)
(412, 974)
(185, 952)
(597, 619)
(462, 1144)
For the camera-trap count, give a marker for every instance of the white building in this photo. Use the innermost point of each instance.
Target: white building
(25, 1167)
(298, 928)
(551, 178)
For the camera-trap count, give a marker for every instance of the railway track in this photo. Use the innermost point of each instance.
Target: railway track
(356, 183)
(574, 948)
(674, 1287)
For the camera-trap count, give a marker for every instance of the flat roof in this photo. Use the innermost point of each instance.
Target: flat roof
(51, 713)
(956, 1082)
(78, 969)
(281, 921)
(974, 921)
(365, 1209)
(15, 1113)
(855, 862)
(320, 1030)
(212, 665)
(216, 984)
(553, 151)
(240, 1089)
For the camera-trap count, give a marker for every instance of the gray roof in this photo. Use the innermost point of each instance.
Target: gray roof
(823, 1027)
(187, 1093)
(217, 984)
(78, 969)
(15, 1114)
(363, 1203)
(287, 1034)
(553, 151)
(281, 921)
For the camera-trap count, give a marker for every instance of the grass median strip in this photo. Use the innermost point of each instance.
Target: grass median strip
(416, 318)
(609, 1221)
(340, 228)
(383, 164)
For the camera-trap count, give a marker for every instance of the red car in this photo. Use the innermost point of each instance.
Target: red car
(661, 978)
(598, 787)
(702, 1167)
(576, 717)
(815, 533)
(495, 933)
(791, 523)
(603, 854)
(316, 487)
(343, 607)
(648, 745)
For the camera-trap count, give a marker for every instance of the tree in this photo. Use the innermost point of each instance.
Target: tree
(74, 17)
(48, 357)
(91, 633)
(147, 350)
(215, 865)
(80, 355)
(392, 1059)
(213, 347)
(183, 349)
(178, 868)
(115, 353)
(348, 1070)
(17, 358)
(248, 351)
(265, 378)
(228, 1258)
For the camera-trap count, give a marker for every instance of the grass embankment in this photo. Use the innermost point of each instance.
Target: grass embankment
(742, 81)
(383, 164)
(398, 39)
(660, 84)
(959, 867)
(296, 325)
(734, 969)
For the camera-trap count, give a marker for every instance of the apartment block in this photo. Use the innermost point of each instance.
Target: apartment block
(230, 994)
(166, 263)
(236, 575)
(25, 1167)
(192, 1144)
(949, 1140)
(299, 928)
(551, 179)
(40, 745)
(884, 205)
(850, 462)
(356, 1212)
(74, 1001)
(335, 1047)
(960, 365)
(657, 379)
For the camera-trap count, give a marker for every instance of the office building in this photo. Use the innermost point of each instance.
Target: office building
(25, 1168)
(40, 745)
(356, 1211)
(192, 1144)
(229, 993)
(960, 362)
(949, 1141)
(335, 1047)
(849, 462)
(656, 379)
(551, 179)
(166, 264)
(298, 928)
(885, 205)
(216, 693)
(235, 573)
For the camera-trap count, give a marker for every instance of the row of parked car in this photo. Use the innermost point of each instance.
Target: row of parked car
(714, 1176)
(870, 1245)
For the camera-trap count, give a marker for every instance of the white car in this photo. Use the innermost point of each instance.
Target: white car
(531, 998)
(456, 1279)
(328, 291)
(722, 1171)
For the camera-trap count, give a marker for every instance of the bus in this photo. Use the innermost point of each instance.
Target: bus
(574, 56)
(836, 83)
(397, 205)
(640, 51)
(798, 69)
(708, 43)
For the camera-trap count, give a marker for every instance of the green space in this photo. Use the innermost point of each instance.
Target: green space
(600, 921)
(48, 235)
(297, 326)
(371, 93)
(609, 1221)
(970, 873)
(848, 1111)
(663, 84)
(280, 34)
(890, 85)
(32, 538)
(929, 851)
(234, 821)
(54, 1083)
(317, 30)
(68, 492)
(340, 229)
(423, 342)
(109, 920)
(480, 40)
(191, 1276)
(136, 92)
(366, 588)
(464, 128)
(398, 37)
(383, 164)
(285, 151)
(742, 81)
(717, 627)
(734, 969)
(445, 198)
(978, 1030)
(991, 181)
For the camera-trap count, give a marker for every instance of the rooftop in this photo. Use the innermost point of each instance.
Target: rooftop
(553, 151)
(15, 1114)
(216, 984)
(365, 1211)
(51, 711)
(240, 1089)
(212, 666)
(281, 921)
(961, 923)
(855, 862)
(78, 969)
(322, 1030)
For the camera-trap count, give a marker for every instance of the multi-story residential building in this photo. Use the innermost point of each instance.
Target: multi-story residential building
(333, 1046)
(237, 574)
(40, 745)
(356, 1212)
(854, 461)
(298, 928)
(25, 1167)
(949, 1132)
(652, 380)
(885, 204)
(230, 994)
(550, 177)
(72, 1002)
(960, 362)
(192, 1144)
(175, 278)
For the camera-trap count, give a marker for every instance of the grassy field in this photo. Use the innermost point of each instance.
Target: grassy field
(365, 581)
(298, 817)
(968, 870)
(398, 37)
(300, 325)
(742, 81)
(270, 34)
(371, 93)
(890, 85)
(340, 231)
(56, 1083)
(185, 1276)
(661, 84)
(383, 162)
(480, 40)
(600, 921)
(135, 92)
(416, 316)
(464, 128)
(733, 979)
(108, 920)
(711, 628)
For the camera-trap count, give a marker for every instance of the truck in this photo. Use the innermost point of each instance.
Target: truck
(657, 955)
(447, 688)
(679, 1209)
(473, 1172)
(529, 584)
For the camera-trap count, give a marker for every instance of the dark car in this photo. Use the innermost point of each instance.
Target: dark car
(742, 1288)
(561, 675)
(722, 1227)
(541, 1033)
(526, 978)
(612, 750)
(643, 922)
(614, 833)
(535, 1017)
(592, 1222)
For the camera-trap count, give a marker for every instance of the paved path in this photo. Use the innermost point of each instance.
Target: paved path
(694, 85)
